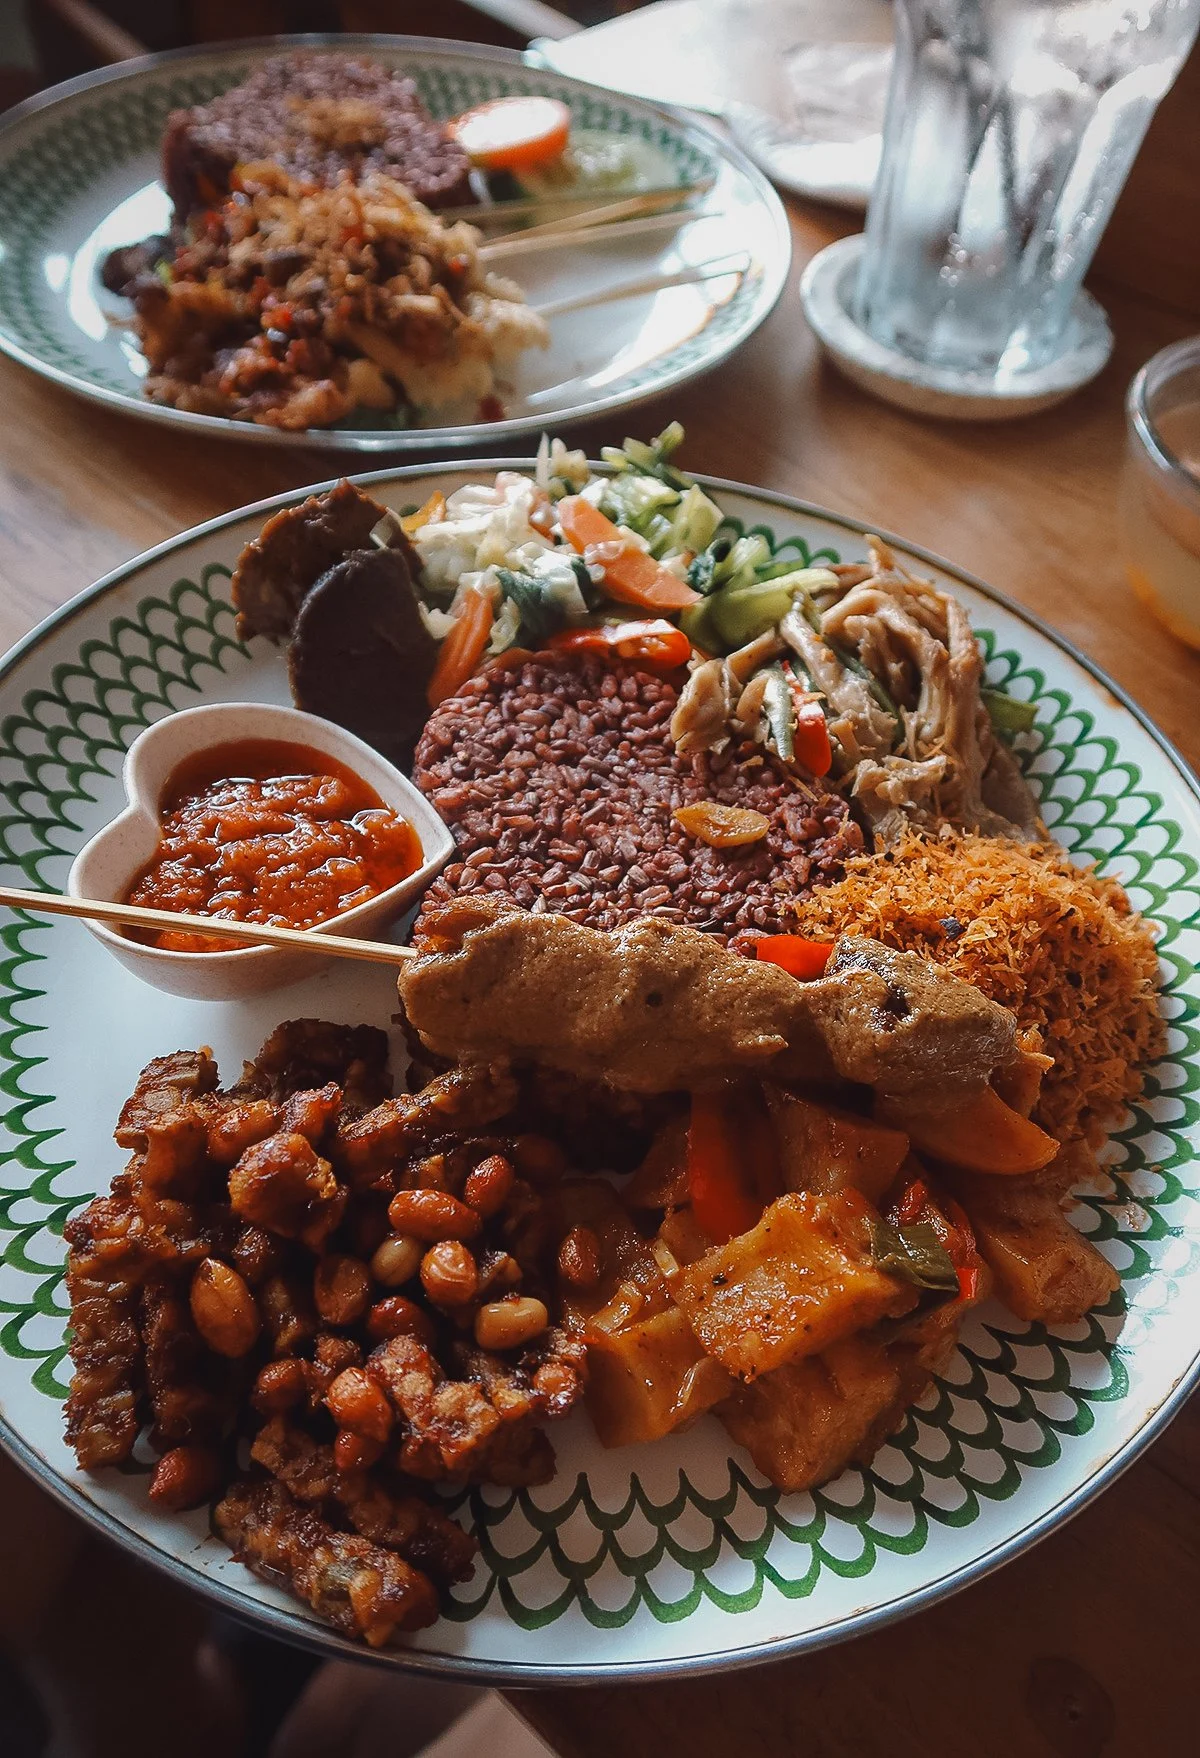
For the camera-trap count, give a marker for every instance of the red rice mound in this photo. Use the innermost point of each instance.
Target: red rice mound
(558, 777)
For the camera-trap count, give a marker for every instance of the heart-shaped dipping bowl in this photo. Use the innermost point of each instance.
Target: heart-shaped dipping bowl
(106, 867)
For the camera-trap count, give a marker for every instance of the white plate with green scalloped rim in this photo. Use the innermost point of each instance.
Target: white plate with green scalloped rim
(676, 1555)
(79, 175)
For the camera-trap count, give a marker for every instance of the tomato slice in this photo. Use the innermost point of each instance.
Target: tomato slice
(657, 644)
(801, 958)
(510, 134)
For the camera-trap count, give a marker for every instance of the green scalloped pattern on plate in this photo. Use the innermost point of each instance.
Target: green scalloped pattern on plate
(94, 711)
(103, 130)
(1014, 1396)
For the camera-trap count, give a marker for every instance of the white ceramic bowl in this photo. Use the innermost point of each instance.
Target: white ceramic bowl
(107, 865)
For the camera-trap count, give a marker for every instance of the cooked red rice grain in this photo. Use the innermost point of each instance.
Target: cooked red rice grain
(558, 778)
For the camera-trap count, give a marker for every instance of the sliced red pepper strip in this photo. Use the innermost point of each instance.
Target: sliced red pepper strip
(801, 958)
(968, 1281)
(810, 735)
(657, 644)
(913, 1203)
(949, 1221)
(810, 738)
(723, 1201)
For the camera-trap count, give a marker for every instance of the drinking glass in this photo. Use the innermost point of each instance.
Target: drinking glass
(1011, 126)
(1160, 493)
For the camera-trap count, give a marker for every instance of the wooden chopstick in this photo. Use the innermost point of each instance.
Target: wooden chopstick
(131, 915)
(480, 213)
(522, 243)
(647, 284)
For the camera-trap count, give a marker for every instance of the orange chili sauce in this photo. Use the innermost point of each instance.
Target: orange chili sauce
(265, 831)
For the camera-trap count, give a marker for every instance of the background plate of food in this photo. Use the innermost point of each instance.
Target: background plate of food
(822, 1109)
(308, 270)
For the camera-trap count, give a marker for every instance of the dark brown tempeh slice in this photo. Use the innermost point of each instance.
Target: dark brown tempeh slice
(163, 1085)
(397, 1520)
(358, 1587)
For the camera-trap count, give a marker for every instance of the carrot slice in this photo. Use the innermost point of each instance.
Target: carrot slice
(720, 1183)
(631, 576)
(432, 513)
(510, 134)
(462, 648)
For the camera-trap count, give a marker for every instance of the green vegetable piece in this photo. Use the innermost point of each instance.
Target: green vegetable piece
(703, 572)
(746, 611)
(541, 611)
(1008, 714)
(698, 625)
(746, 557)
(669, 440)
(853, 663)
(915, 1254)
(634, 501)
(696, 521)
(779, 712)
(743, 613)
(816, 578)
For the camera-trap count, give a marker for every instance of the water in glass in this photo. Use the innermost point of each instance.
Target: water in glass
(1011, 127)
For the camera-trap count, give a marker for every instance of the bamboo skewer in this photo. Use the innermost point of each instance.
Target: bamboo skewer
(647, 284)
(632, 207)
(575, 207)
(132, 915)
(521, 243)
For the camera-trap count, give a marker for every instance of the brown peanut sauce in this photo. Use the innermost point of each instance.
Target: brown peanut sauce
(266, 831)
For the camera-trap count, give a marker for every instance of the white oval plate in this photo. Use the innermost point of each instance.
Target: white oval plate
(79, 175)
(648, 1559)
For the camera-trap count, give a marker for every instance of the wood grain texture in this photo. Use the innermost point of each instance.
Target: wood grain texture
(1084, 1646)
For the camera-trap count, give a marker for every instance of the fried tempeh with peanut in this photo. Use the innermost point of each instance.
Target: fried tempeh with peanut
(362, 1336)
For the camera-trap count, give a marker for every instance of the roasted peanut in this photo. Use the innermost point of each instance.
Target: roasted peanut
(354, 1452)
(579, 1258)
(398, 1317)
(341, 1289)
(487, 1187)
(186, 1477)
(506, 1324)
(538, 1158)
(449, 1274)
(281, 1385)
(223, 1308)
(397, 1260)
(432, 1215)
(357, 1403)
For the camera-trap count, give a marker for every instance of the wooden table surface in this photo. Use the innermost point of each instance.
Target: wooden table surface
(1086, 1645)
